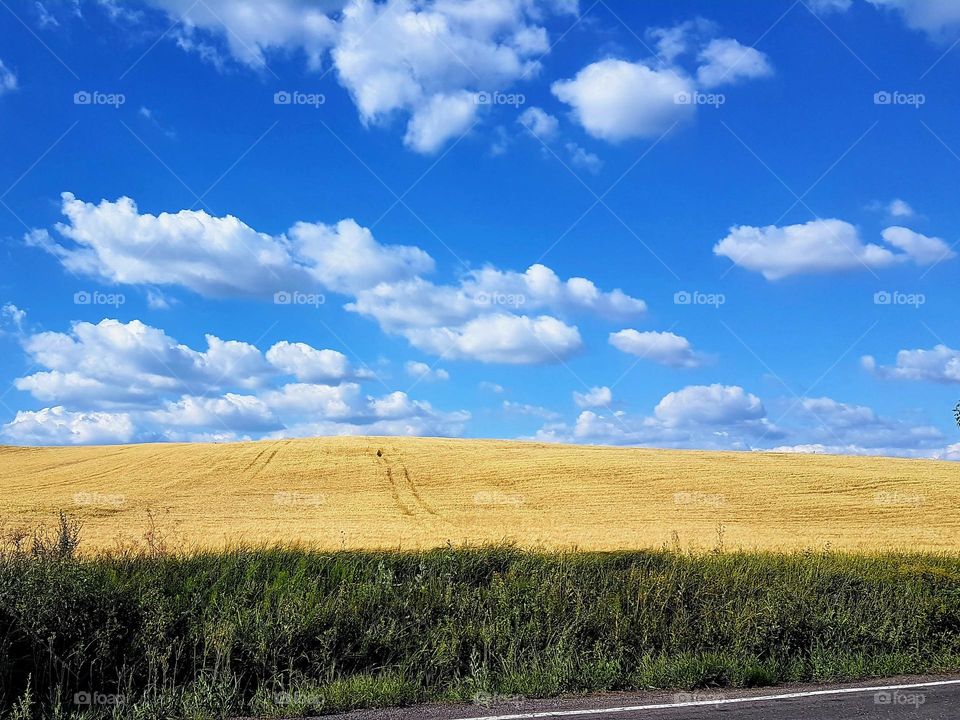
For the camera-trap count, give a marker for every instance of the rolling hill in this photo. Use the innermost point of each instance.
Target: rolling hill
(364, 492)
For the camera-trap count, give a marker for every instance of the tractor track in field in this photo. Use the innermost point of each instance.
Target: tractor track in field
(404, 491)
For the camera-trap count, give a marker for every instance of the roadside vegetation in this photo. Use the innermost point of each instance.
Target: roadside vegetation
(149, 632)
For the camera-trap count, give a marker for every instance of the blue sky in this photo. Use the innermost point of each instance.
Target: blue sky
(685, 224)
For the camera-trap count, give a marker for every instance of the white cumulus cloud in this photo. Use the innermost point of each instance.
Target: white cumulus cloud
(119, 382)
(501, 338)
(594, 397)
(665, 348)
(940, 365)
(223, 257)
(616, 99)
(58, 426)
(725, 60)
(822, 246)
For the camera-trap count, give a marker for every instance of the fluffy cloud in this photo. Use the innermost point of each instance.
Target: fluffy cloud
(441, 118)
(730, 418)
(478, 318)
(501, 338)
(921, 249)
(244, 413)
(211, 256)
(614, 99)
(715, 416)
(709, 405)
(58, 426)
(426, 60)
(114, 363)
(900, 209)
(219, 257)
(430, 59)
(724, 60)
(821, 246)
(540, 123)
(938, 18)
(422, 371)
(13, 316)
(593, 398)
(346, 258)
(308, 364)
(116, 382)
(665, 348)
(940, 365)
(252, 29)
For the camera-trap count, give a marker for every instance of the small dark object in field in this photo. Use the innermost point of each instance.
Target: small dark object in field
(379, 453)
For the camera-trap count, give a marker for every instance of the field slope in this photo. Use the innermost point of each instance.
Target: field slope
(366, 493)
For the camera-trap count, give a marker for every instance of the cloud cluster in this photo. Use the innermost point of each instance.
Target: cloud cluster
(822, 246)
(824, 425)
(713, 416)
(430, 60)
(615, 99)
(489, 314)
(117, 382)
(252, 29)
(939, 365)
(426, 60)
(727, 417)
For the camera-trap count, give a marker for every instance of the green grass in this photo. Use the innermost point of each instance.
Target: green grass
(289, 632)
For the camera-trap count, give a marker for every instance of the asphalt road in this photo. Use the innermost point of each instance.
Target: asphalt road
(933, 698)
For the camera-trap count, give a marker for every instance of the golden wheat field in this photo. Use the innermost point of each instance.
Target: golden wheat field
(411, 493)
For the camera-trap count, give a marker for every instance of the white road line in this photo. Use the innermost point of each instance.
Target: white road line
(702, 703)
